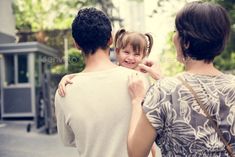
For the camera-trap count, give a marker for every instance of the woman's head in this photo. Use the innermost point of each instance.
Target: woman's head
(202, 31)
(132, 47)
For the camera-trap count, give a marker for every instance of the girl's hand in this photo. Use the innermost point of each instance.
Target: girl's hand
(148, 66)
(136, 88)
(67, 79)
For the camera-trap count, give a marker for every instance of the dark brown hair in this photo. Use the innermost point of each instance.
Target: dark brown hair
(91, 29)
(205, 28)
(139, 42)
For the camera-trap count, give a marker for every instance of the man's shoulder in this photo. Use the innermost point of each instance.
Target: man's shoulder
(127, 70)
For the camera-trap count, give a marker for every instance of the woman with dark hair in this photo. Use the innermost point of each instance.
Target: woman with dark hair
(193, 113)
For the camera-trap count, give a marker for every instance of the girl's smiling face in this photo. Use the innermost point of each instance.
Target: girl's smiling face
(128, 58)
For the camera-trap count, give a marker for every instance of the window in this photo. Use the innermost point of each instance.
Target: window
(16, 69)
(22, 69)
(10, 69)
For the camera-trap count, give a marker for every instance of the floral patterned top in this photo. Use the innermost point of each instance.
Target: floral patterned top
(181, 126)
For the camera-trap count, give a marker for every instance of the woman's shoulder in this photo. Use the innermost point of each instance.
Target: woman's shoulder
(230, 77)
(168, 84)
(226, 81)
(209, 79)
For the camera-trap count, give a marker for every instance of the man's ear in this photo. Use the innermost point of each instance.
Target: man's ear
(110, 42)
(76, 45)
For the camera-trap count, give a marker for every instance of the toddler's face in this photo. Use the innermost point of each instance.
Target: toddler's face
(129, 58)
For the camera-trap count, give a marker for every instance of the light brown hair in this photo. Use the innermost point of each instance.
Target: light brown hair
(138, 41)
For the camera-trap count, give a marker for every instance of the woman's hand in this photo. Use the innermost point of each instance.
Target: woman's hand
(67, 79)
(136, 88)
(141, 133)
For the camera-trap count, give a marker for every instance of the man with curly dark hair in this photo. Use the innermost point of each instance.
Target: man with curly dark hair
(95, 114)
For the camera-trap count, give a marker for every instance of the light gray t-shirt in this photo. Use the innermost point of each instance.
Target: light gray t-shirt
(94, 115)
(181, 126)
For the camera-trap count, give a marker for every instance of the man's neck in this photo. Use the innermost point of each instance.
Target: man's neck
(98, 61)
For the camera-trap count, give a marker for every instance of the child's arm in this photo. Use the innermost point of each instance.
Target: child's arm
(67, 79)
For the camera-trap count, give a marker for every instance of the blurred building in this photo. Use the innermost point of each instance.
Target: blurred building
(7, 28)
(7, 22)
(26, 90)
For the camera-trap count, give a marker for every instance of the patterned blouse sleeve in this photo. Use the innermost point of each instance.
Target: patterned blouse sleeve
(152, 107)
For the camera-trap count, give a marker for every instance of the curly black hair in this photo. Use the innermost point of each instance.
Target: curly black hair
(91, 29)
(205, 28)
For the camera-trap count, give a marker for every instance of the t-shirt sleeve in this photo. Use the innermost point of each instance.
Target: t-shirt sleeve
(64, 130)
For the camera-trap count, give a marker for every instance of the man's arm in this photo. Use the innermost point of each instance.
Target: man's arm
(64, 130)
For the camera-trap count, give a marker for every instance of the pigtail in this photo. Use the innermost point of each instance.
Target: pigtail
(118, 36)
(149, 42)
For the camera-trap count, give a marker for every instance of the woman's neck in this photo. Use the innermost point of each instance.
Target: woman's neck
(200, 67)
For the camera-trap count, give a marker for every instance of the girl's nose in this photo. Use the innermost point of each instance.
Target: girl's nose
(131, 57)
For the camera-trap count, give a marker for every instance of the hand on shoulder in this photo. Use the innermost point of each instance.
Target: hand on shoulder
(67, 79)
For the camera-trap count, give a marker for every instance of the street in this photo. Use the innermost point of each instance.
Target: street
(16, 142)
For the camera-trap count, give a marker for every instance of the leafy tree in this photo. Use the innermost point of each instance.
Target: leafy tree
(49, 21)
(75, 61)
(37, 15)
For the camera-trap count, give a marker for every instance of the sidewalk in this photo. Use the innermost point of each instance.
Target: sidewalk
(16, 142)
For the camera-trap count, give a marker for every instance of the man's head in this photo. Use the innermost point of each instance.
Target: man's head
(91, 30)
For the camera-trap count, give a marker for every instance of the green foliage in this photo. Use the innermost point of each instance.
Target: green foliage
(75, 63)
(49, 21)
(59, 69)
(36, 15)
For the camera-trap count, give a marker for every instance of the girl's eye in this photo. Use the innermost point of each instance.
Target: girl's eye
(137, 54)
(126, 52)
